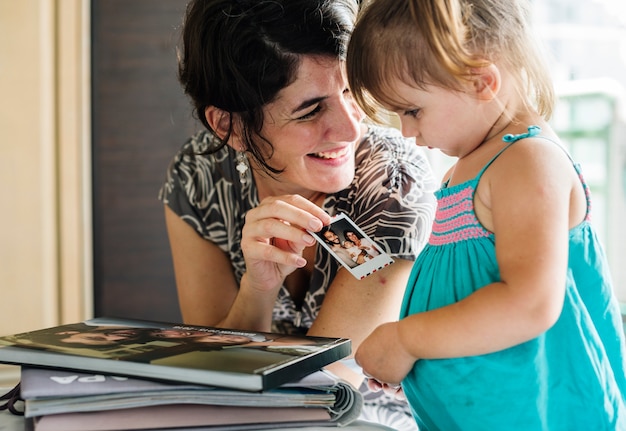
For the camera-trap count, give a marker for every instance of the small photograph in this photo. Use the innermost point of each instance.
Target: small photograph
(351, 247)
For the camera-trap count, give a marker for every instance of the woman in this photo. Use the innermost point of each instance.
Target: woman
(284, 150)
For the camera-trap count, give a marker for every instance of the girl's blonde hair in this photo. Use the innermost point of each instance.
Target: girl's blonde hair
(440, 42)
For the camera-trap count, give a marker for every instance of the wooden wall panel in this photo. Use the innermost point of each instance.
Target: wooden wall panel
(140, 118)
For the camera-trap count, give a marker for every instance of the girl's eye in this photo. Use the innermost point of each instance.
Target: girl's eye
(412, 113)
(311, 114)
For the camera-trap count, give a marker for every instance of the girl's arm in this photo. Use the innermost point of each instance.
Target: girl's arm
(354, 308)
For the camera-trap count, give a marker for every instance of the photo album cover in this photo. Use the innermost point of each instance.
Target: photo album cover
(243, 360)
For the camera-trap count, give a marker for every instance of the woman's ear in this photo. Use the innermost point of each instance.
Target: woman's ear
(487, 81)
(219, 120)
(224, 124)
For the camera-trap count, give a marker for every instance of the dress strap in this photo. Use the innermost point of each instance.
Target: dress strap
(510, 139)
(532, 131)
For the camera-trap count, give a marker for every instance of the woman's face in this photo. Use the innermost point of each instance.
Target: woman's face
(352, 236)
(313, 125)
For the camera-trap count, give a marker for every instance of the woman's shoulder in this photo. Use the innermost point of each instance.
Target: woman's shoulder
(202, 157)
(194, 170)
(389, 156)
(387, 143)
(382, 133)
(201, 147)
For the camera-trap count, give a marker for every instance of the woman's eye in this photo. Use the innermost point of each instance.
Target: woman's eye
(311, 114)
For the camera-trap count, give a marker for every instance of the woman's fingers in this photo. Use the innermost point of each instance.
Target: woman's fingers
(293, 209)
(287, 254)
(276, 231)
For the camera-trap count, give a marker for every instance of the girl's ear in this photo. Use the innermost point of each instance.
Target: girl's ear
(487, 81)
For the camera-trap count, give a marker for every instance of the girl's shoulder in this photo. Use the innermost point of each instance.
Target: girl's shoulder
(526, 151)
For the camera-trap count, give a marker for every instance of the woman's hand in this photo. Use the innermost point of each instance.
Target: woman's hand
(384, 358)
(274, 236)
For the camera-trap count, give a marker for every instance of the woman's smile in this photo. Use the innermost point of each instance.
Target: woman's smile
(331, 155)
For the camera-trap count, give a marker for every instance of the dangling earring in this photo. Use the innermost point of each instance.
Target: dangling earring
(242, 167)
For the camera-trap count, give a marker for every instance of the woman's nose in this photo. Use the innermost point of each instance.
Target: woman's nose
(346, 122)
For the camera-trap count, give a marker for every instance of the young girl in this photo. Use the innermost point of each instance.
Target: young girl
(509, 320)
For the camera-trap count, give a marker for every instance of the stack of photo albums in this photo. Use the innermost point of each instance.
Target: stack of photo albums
(120, 374)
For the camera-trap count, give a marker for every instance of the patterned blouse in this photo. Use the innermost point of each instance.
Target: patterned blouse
(390, 199)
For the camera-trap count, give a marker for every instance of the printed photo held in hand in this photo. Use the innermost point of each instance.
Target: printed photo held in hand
(510, 319)
(351, 247)
(284, 148)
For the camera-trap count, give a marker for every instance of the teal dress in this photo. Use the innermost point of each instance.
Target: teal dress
(572, 377)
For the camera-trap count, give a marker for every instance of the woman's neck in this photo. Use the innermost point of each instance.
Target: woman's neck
(267, 187)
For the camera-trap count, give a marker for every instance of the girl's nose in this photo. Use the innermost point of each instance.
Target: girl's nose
(407, 129)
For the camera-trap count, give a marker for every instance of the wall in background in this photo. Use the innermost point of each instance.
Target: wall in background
(44, 249)
(140, 118)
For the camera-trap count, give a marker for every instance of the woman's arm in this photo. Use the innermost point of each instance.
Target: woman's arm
(205, 280)
(273, 238)
(353, 308)
(208, 292)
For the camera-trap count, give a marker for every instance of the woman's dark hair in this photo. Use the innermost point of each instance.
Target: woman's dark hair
(238, 54)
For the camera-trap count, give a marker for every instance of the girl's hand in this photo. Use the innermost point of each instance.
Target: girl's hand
(384, 358)
(274, 236)
(393, 390)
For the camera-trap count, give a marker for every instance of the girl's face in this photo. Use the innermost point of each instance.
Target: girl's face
(314, 126)
(452, 121)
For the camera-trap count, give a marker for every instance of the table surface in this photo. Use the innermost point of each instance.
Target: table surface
(10, 422)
